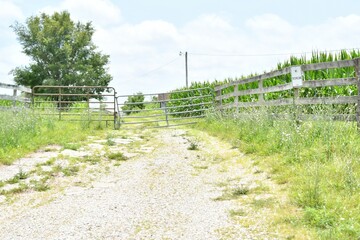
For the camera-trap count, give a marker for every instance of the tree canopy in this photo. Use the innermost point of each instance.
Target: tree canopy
(134, 103)
(61, 53)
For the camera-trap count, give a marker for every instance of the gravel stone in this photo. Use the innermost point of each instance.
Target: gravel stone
(155, 195)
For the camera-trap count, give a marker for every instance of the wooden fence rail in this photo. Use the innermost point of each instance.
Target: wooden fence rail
(228, 95)
(19, 94)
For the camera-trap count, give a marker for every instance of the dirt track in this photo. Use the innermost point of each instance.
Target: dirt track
(164, 191)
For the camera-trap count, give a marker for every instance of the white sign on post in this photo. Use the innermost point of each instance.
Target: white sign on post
(296, 76)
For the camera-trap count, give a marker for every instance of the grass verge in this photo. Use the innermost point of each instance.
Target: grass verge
(317, 160)
(24, 132)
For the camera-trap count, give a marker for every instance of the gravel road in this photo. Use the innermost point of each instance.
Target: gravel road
(157, 195)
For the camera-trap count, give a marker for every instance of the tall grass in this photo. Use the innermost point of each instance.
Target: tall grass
(24, 131)
(318, 160)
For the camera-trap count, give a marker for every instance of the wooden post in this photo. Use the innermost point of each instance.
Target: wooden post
(14, 95)
(357, 72)
(261, 88)
(236, 95)
(218, 94)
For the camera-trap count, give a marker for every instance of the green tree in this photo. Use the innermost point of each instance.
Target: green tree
(61, 53)
(134, 103)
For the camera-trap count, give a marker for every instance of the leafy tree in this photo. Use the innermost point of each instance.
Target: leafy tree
(133, 103)
(61, 53)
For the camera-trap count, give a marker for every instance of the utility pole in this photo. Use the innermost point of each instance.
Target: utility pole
(186, 67)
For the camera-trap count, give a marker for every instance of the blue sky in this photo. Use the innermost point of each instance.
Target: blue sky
(144, 37)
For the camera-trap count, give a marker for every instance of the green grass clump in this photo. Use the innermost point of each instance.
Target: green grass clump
(118, 156)
(233, 193)
(193, 146)
(318, 160)
(41, 185)
(71, 170)
(72, 146)
(21, 188)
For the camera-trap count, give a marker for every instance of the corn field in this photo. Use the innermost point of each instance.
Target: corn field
(316, 57)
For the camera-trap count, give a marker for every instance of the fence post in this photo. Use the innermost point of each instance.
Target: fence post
(14, 96)
(261, 88)
(218, 94)
(236, 96)
(357, 72)
(296, 78)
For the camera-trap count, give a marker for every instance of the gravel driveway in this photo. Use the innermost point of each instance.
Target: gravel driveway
(157, 195)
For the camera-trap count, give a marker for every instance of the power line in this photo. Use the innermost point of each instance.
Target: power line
(265, 54)
(158, 68)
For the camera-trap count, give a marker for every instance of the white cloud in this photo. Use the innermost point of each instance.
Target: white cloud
(100, 12)
(269, 22)
(336, 33)
(137, 49)
(209, 22)
(270, 29)
(10, 51)
(9, 12)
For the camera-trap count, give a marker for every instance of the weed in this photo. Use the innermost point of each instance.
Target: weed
(242, 190)
(13, 180)
(201, 167)
(92, 159)
(118, 156)
(193, 146)
(23, 175)
(237, 213)
(70, 170)
(72, 146)
(49, 162)
(110, 142)
(19, 189)
(40, 186)
(263, 202)
(233, 193)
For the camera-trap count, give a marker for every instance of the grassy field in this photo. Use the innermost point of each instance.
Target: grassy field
(317, 161)
(24, 131)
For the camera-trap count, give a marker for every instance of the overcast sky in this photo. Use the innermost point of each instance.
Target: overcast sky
(224, 38)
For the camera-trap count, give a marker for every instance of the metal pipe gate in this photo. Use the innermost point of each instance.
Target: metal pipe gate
(77, 103)
(171, 109)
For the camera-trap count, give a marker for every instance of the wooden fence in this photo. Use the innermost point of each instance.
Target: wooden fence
(228, 96)
(20, 94)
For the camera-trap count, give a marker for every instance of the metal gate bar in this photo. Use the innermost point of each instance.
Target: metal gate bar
(165, 109)
(77, 103)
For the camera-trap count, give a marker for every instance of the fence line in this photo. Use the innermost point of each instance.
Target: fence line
(230, 92)
(23, 97)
